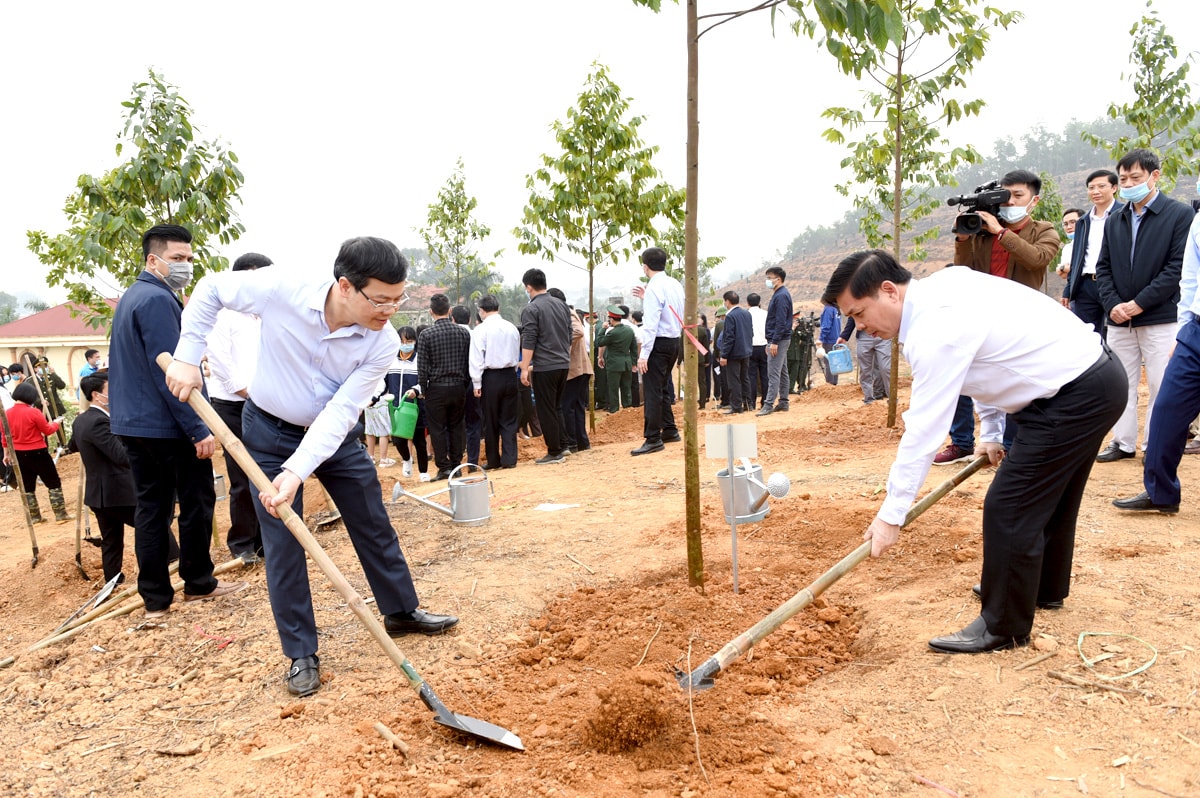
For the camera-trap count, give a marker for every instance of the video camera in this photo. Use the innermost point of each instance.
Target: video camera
(988, 198)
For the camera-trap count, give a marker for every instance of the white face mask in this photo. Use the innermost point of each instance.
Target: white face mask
(1012, 213)
(179, 274)
(770, 283)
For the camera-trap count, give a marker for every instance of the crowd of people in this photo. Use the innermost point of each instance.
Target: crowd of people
(313, 378)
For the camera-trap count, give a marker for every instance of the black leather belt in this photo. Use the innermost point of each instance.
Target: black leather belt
(279, 422)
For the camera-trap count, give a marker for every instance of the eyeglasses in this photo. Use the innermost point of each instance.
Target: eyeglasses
(384, 307)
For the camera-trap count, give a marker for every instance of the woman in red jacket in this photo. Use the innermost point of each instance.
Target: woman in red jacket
(29, 428)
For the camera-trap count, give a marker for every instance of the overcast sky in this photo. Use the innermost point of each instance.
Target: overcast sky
(348, 117)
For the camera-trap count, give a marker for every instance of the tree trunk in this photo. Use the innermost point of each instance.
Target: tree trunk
(897, 187)
(691, 451)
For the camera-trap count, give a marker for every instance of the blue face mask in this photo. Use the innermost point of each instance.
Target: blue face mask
(1071, 236)
(1136, 193)
(407, 348)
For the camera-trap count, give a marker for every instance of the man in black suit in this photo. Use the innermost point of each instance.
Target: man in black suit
(109, 489)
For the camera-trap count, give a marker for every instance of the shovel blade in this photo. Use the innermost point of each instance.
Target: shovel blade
(700, 679)
(468, 725)
(481, 729)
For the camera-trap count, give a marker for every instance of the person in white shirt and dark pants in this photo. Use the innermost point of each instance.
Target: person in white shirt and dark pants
(1052, 372)
(662, 312)
(494, 355)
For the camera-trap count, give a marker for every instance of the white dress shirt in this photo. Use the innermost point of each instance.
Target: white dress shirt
(1189, 298)
(662, 293)
(307, 375)
(959, 337)
(1095, 238)
(758, 326)
(232, 354)
(495, 344)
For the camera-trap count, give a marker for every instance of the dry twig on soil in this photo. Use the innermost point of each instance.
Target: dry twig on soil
(692, 715)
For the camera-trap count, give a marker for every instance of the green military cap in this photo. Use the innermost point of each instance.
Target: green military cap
(616, 312)
(720, 312)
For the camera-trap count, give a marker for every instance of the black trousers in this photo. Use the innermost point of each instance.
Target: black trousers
(473, 421)
(37, 463)
(1086, 304)
(1031, 508)
(548, 389)
(244, 536)
(757, 369)
(112, 522)
(575, 400)
(702, 374)
(528, 422)
(352, 482)
(500, 401)
(164, 468)
(658, 418)
(445, 412)
(736, 374)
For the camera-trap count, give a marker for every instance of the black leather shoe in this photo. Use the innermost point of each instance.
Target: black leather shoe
(676, 438)
(766, 410)
(1112, 453)
(648, 447)
(1042, 605)
(729, 411)
(440, 475)
(975, 639)
(417, 621)
(304, 678)
(1143, 503)
(781, 408)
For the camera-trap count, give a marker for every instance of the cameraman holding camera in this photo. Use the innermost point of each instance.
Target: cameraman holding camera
(1010, 243)
(998, 236)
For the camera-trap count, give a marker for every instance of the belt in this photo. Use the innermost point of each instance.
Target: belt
(1102, 361)
(279, 422)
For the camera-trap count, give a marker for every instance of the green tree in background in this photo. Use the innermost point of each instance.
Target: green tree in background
(600, 198)
(900, 156)
(1163, 110)
(8, 308)
(170, 177)
(451, 236)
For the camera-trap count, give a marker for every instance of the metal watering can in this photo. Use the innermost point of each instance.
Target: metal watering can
(470, 496)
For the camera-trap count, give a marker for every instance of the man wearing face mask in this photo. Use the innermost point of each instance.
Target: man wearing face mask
(170, 449)
(1137, 277)
(1013, 246)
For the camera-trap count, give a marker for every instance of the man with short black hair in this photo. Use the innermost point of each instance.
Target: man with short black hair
(756, 366)
(1051, 372)
(325, 347)
(546, 359)
(779, 336)
(170, 449)
(1080, 293)
(494, 355)
(442, 354)
(735, 345)
(662, 315)
(1137, 277)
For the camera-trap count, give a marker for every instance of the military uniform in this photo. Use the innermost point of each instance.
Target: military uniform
(620, 353)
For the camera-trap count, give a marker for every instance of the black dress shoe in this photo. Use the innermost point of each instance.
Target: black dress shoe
(765, 411)
(975, 639)
(676, 438)
(304, 677)
(729, 411)
(1143, 503)
(1112, 453)
(417, 621)
(648, 447)
(440, 475)
(1041, 605)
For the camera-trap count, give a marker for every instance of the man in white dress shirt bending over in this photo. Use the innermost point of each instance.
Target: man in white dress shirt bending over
(325, 346)
(1050, 370)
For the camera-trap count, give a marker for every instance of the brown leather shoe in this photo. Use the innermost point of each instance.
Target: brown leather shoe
(222, 589)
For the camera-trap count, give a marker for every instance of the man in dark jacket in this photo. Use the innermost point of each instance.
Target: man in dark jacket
(736, 345)
(546, 359)
(1080, 293)
(779, 337)
(443, 351)
(108, 490)
(170, 449)
(1138, 280)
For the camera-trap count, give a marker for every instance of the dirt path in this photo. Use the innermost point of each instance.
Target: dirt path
(571, 620)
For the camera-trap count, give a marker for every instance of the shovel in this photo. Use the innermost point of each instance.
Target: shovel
(80, 510)
(234, 447)
(94, 601)
(702, 677)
